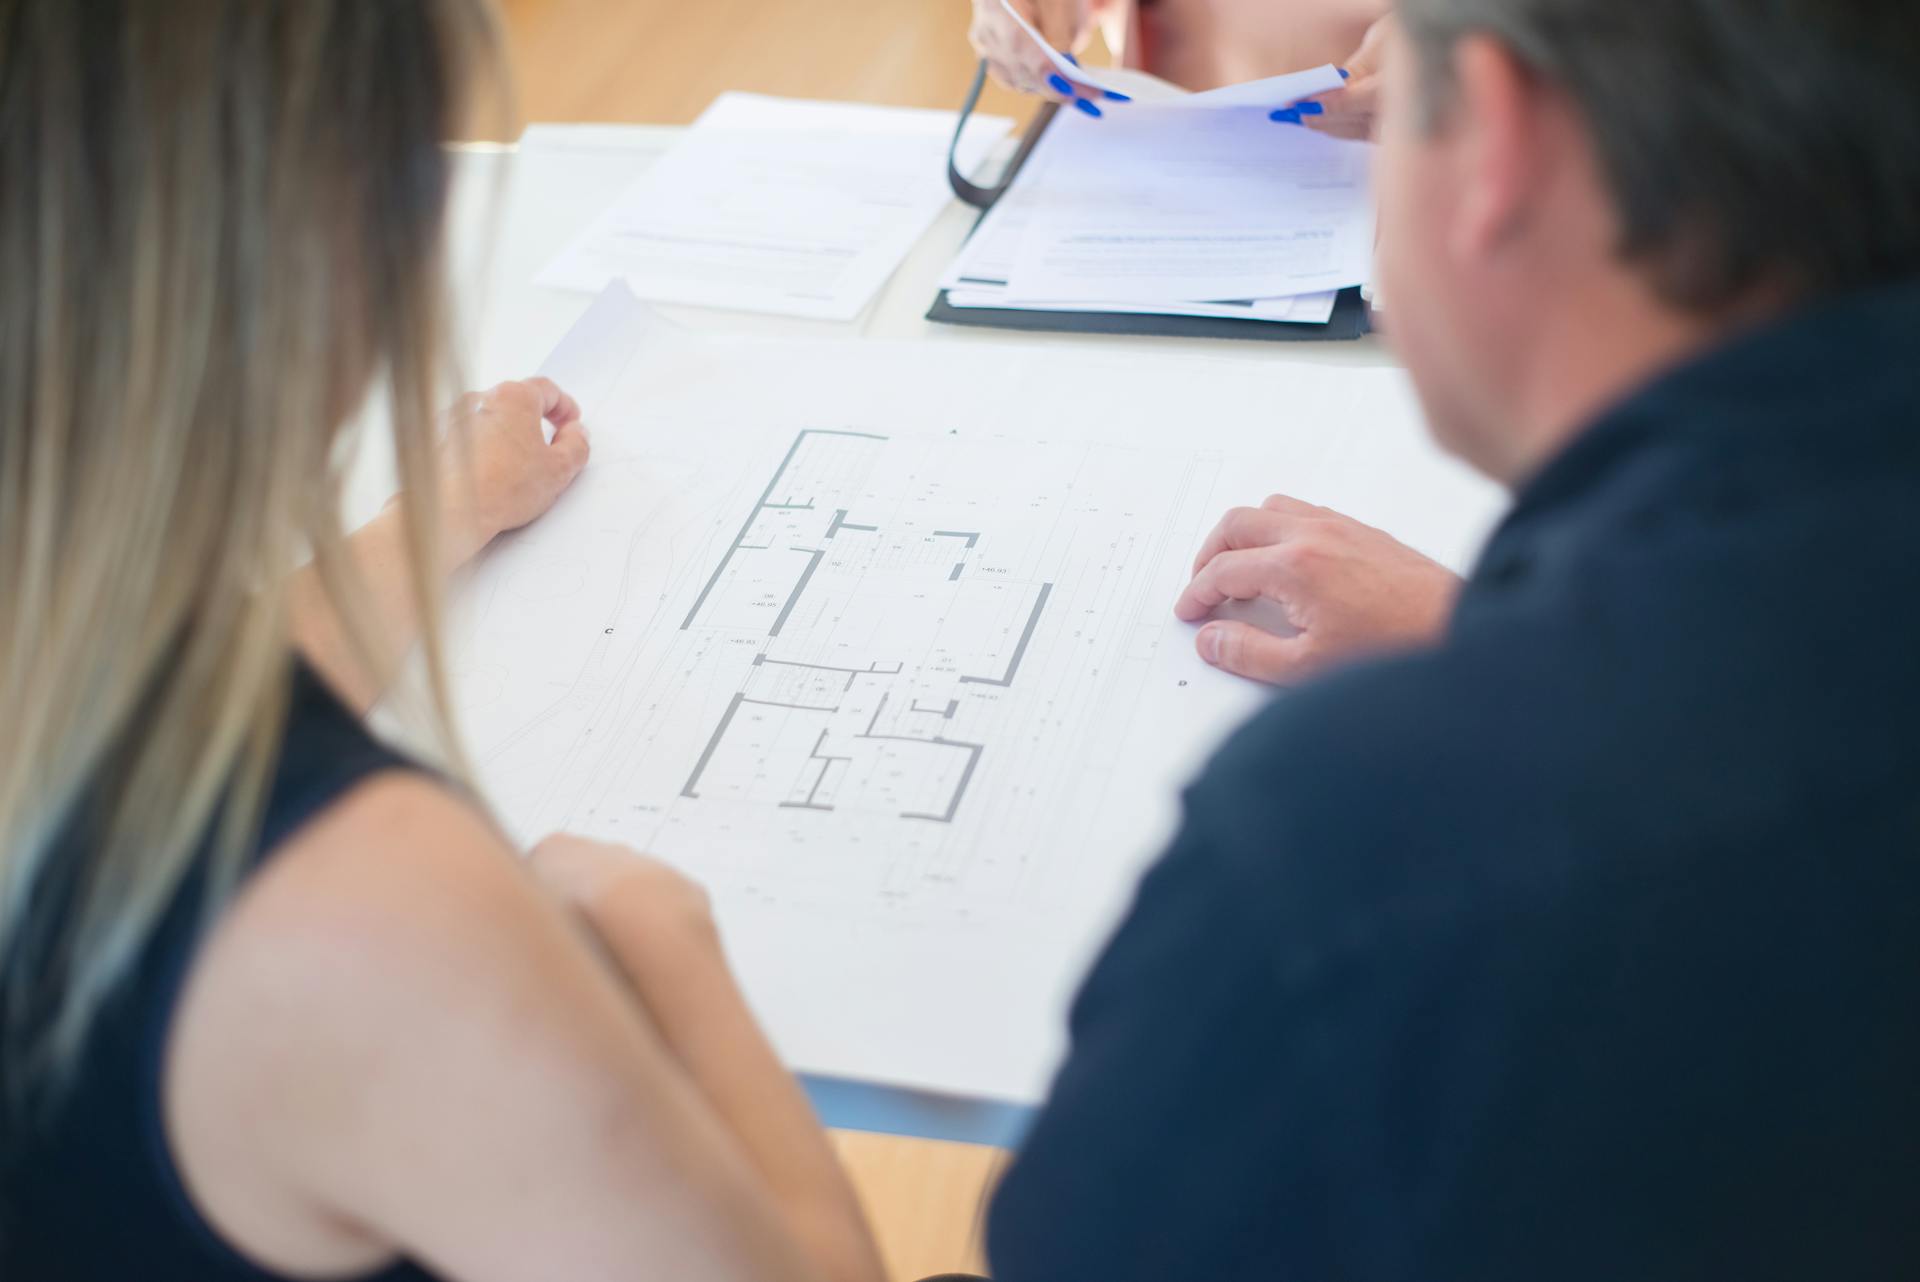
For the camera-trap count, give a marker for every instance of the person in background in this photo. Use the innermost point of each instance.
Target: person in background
(1197, 44)
(278, 1001)
(1565, 923)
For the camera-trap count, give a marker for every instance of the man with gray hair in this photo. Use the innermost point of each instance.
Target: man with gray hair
(1566, 923)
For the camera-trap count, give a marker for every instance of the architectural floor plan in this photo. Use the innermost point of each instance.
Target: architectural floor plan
(904, 761)
(888, 667)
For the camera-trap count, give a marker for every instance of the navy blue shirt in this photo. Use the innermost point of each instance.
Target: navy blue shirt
(1585, 945)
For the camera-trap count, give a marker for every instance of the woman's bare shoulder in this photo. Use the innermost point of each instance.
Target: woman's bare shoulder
(392, 933)
(393, 1026)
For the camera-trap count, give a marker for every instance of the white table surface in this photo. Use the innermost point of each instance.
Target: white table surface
(515, 208)
(562, 176)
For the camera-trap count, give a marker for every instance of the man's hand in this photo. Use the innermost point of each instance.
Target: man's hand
(501, 470)
(1347, 589)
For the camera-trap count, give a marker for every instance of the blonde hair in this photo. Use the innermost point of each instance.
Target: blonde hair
(220, 231)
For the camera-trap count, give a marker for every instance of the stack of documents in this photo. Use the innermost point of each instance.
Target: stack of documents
(1179, 204)
(777, 205)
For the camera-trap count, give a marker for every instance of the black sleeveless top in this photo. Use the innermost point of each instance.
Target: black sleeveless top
(88, 1190)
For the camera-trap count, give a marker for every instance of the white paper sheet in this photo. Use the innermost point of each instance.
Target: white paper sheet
(1304, 309)
(1167, 206)
(987, 258)
(876, 641)
(777, 205)
(1149, 90)
(980, 272)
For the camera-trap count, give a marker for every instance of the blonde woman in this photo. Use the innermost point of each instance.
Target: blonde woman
(278, 1002)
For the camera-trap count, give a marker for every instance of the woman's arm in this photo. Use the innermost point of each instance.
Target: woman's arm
(498, 473)
(396, 1044)
(657, 926)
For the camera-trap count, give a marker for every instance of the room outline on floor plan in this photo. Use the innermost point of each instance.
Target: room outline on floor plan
(858, 729)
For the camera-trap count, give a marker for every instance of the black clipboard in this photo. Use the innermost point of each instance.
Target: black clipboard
(1350, 318)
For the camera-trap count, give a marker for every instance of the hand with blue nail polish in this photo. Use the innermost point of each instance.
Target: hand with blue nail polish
(1073, 94)
(1349, 111)
(1108, 94)
(1017, 62)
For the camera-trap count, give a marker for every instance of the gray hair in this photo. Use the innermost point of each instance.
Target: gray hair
(1749, 144)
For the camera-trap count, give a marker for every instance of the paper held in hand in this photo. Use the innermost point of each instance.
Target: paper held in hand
(1143, 89)
(1178, 203)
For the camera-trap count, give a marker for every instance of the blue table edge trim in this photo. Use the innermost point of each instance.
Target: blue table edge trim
(851, 1105)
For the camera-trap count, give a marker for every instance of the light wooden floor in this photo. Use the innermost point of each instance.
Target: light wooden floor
(925, 1200)
(662, 62)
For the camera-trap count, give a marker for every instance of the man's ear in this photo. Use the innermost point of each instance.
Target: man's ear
(1500, 144)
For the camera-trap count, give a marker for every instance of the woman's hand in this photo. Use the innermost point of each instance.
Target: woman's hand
(1020, 64)
(657, 928)
(1344, 589)
(502, 472)
(498, 473)
(600, 880)
(1348, 112)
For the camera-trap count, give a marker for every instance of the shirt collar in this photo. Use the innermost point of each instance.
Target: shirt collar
(1847, 366)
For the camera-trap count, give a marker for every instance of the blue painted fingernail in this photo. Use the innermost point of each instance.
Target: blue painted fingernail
(1087, 107)
(1344, 73)
(1310, 108)
(1061, 85)
(1285, 116)
(1070, 58)
(1111, 96)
